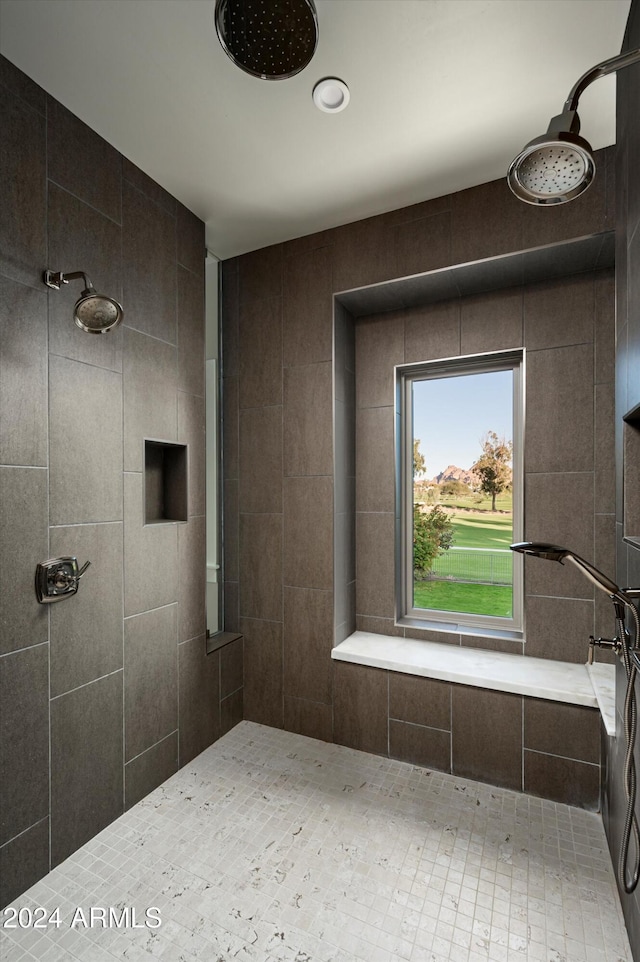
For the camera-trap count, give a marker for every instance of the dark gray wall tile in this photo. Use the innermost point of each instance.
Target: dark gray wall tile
(417, 745)
(261, 566)
(85, 450)
(150, 555)
(23, 212)
(231, 711)
(559, 408)
(308, 632)
(23, 374)
(80, 238)
(231, 531)
(472, 210)
(379, 345)
(604, 435)
(379, 626)
(22, 86)
(190, 238)
(562, 780)
(230, 300)
(86, 764)
(24, 861)
(260, 326)
(605, 329)
(86, 634)
(506, 645)
(231, 606)
(487, 736)
(559, 313)
(231, 667)
(149, 265)
(559, 511)
(260, 274)
(262, 671)
(150, 679)
(421, 701)
(310, 718)
(308, 412)
(431, 332)
(360, 707)
(307, 308)
(191, 431)
(150, 395)
(192, 557)
(230, 427)
(24, 741)
(363, 254)
(83, 163)
(23, 522)
(558, 627)
(142, 182)
(423, 244)
(308, 520)
(491, 322)
(152, 768)
(557, 729)
(261, 460)
(199, 698)
(375, 459)
(191, 351)
(375, 538)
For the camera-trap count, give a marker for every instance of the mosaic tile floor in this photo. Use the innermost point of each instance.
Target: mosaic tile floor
(272, 847)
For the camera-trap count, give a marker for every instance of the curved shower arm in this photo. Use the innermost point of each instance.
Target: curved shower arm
(600, 70)
(56, 279)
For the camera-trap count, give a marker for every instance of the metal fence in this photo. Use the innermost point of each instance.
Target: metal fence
(474, 565)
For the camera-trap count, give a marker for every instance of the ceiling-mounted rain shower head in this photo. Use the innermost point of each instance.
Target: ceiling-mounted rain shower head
(559, 166)
(94, 313)
(269, 39)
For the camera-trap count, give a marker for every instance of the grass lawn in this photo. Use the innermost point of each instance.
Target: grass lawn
(480, 531)
(493, 600)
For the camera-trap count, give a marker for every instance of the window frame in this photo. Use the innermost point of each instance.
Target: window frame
(460, 622)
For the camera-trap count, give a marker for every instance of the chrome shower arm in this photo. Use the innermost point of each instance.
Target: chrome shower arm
(600, 70)
(56, 279)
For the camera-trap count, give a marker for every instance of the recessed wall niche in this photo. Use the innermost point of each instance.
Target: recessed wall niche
(165, 482)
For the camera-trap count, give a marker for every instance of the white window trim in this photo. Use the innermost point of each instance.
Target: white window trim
(406, 614)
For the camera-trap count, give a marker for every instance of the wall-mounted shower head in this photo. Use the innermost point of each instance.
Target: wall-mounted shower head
(553, 168)
(553, 552)
(269, 39)
(559, 165)
(94, 313)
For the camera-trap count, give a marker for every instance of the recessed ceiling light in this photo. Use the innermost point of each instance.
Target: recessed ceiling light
(331, 95)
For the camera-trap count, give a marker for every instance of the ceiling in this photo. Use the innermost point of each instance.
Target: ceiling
(443, 94)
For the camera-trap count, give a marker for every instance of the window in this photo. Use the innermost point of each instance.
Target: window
(459, 427)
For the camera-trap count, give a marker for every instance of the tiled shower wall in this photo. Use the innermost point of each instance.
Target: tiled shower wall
(107, 693)
(627, 454)
(279, 475)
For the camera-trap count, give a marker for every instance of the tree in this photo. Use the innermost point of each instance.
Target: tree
(419, 464)
(455, 488)
(494, 465)
(432, 536)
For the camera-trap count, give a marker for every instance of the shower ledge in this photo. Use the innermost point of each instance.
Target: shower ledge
(535, 677)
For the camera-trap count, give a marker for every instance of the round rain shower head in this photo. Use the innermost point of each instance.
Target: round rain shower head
(269, 39)
(552, 169)
(96, 313)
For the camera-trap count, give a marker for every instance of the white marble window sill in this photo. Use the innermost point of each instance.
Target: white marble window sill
(534, 677)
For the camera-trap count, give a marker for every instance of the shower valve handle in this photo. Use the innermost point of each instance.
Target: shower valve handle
(58, 578)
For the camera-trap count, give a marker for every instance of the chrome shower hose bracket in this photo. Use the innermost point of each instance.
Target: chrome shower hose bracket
(58, 578)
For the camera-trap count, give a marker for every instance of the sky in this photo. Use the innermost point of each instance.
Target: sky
(451, 414)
